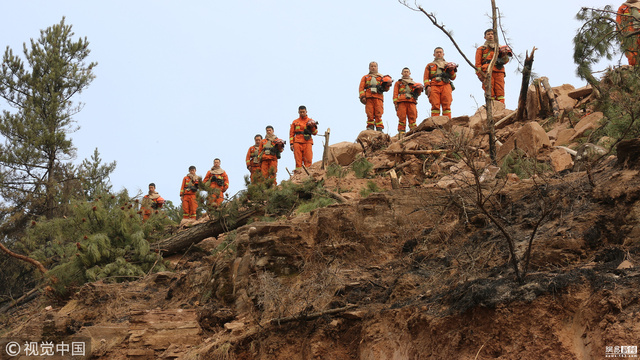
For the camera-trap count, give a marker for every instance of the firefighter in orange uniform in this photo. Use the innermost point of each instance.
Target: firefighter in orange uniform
(253, 158)
(151, 203)
(218, 181)
(484, 55)
(270, 149)
(437, 79)
(628, 19)
(300, 140)
(371, 95)
(188, 191)
(405, 100)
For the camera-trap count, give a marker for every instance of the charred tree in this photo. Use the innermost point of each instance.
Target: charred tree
(526, 78)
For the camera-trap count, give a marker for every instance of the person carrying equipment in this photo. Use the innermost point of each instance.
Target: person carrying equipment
(437, 79)
(188, 192)
(628, 19)
(218, 181)
(405, 98)
(253, 158)
(151, 203)
(270, 151)
(300, 140)
(372, 87)
(484, 55)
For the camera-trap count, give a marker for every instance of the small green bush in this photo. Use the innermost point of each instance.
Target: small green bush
(518, 163)
(372, 187)
(335, 170)
(317, 202)
(362, 167)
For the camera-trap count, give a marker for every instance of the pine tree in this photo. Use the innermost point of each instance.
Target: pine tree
(34, 159)
(596, 39)
(100, 239)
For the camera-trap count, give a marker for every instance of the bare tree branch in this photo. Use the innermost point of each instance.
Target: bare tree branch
(434, 20)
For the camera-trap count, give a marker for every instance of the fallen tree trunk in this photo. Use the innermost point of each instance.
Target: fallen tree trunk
(23, 299)
(413, 152)
(197, 233)
(305, 317)
(552, 97)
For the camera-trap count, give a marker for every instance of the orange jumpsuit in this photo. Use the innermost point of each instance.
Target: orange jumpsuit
(150, 204)
(302, 142)
(268, 160)
(441, 91)
(627, 24)
(484, 54)
(219, 182)
(253, 162)
(188, 191)
(405, 105)
(373, 100)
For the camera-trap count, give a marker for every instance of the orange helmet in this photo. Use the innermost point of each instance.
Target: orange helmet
(416, 89)
(387, 81)
(505, 50)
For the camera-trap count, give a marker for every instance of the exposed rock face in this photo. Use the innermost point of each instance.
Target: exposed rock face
(530, 138)
(629, 153)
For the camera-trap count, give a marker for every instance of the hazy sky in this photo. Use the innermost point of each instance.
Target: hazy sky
(181, 83)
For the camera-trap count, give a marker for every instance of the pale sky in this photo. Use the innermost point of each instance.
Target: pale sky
(181, 83)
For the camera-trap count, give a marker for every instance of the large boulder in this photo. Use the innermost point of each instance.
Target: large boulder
(564, 137)
(591, 121)
(344, 153)
(373, 140)
(432, 123)
(530, 138)
(581, 93)
(478, 121)
(586, 154)
(560, 160)
(565, 102)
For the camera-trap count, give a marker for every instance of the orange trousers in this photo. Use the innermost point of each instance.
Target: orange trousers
(374, 109)
(303, 153)
(406, 110)
(189, 206)
(631, 57)
(216, 198)
(269, 169)
(497, 86)
(255, 170)
(441, 96)
(146, 213)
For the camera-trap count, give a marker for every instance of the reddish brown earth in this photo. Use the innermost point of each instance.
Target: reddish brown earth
(412, 273)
